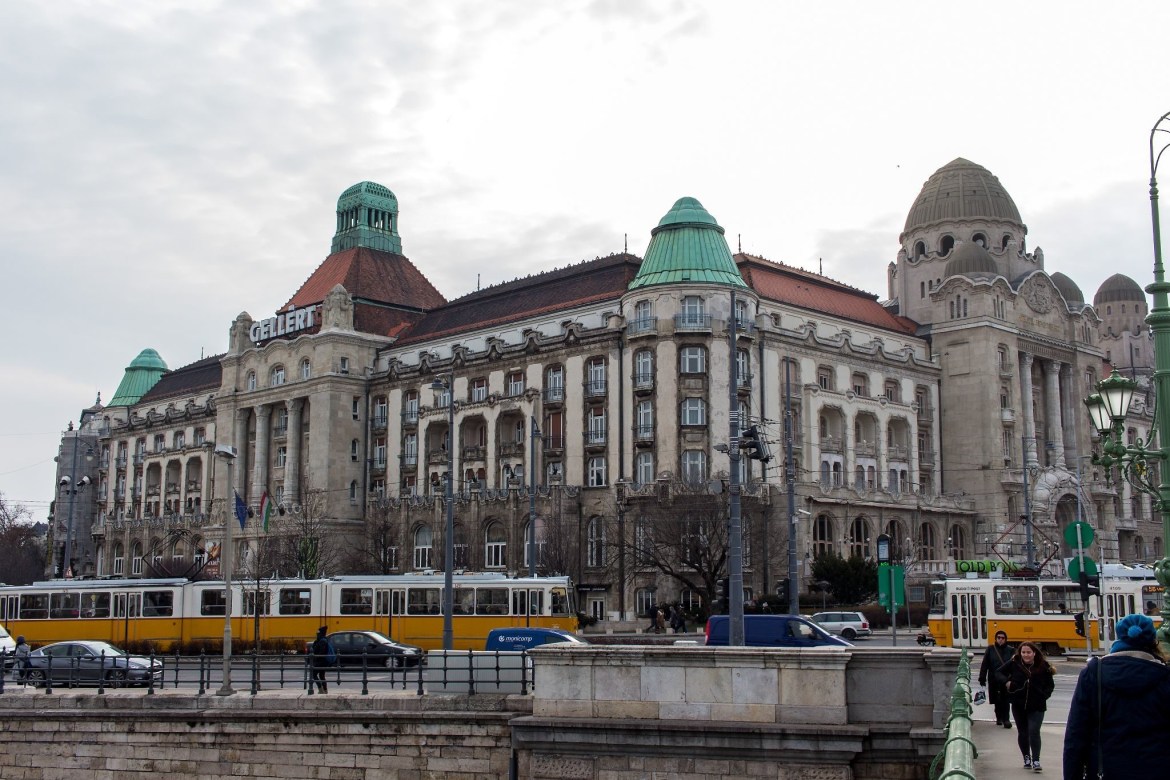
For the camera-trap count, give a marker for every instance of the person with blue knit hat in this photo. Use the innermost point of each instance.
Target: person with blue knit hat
(1118, 718)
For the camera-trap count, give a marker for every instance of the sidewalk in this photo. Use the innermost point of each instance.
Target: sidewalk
(999, 756)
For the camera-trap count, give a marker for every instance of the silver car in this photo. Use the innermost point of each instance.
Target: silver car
(849, 625)
(87, 662)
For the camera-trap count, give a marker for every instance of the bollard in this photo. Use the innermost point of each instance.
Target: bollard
(470, 672)
(365, 676)
(309, 673)
(150, 685)
(523, 672)
(202, 679)
(49, 675)
(102, 676)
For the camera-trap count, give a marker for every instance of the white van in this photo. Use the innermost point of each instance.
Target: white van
(7, 648)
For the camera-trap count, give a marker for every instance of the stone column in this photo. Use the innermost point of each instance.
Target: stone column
(240, 442)
(1052, 398)
(292, 464)
(263, 414)
(1030, 459)
(1071, 407)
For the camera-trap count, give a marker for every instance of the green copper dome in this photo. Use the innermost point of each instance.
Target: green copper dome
(687, 246)
(367, 215)
(141, 375)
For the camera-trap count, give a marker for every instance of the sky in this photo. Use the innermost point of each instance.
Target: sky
(165, 166)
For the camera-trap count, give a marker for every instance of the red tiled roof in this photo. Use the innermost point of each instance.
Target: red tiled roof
(602, 279)
(381, 277)
(202, 375)
(806, 290)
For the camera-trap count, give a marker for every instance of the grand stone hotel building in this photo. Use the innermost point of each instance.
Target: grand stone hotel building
(939, 416)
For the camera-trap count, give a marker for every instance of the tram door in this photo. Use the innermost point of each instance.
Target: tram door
(968, 620)
(127, 610)
(8, 608)
(388, 604)
(1116, 606)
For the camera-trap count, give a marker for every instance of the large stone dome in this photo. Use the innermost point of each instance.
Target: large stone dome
(1118, 287)
(961, 190)
(1068, 288)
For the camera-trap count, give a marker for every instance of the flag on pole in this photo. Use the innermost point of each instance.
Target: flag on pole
(241, 511)
(267, 508)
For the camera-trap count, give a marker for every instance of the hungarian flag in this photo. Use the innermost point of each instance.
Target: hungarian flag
(267, 509)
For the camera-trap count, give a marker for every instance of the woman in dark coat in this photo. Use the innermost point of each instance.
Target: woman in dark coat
(994, 670)
(1029, 684)
(1128, 727)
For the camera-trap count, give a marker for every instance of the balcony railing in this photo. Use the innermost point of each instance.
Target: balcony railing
(642, 326)
(410, 415)
(554, 442)
(410, 459)
(898, 452)
(644, 433)
(379, 421)
(692, 322)
(594, 438)
(831, 444)
(280, 431)
(595, 388)
(644, 380)
(554, 395)
(120, 463)
(475, 452)
(511, 448)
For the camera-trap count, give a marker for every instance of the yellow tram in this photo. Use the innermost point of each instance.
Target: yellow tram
(169, 612)
(968, 612)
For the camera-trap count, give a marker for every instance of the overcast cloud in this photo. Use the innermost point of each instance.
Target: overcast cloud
(166, 165)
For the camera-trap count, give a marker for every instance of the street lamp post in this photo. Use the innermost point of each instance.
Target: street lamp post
(532, 500)
(228, 453)
(1109, 406)
(449, 538)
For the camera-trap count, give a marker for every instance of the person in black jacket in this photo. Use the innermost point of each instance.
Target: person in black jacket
(1126, 726)
(1029, 684)
(319, 651)
(994, 670)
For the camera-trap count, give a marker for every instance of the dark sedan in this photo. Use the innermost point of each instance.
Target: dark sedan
(378, 650)
(87, 662)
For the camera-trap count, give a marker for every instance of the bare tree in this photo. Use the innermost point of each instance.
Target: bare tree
(306, 546)
(22, 554)
(375, 551)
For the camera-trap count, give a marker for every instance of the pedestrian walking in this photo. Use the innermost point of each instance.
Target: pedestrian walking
(321, 655)
(659, 622)
(1118, 719)
(678, 621)
(1029, 684)
(20, 670)
(993, 673)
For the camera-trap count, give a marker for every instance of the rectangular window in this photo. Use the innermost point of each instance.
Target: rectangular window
(516, 383)
(254, 600)
(694, 412)
(424, 601)
(281, 456)
(596, 476)
(491, 601)
(693, 360)
(357, 601)
(294, 601)
(478, 389)
(158, 603)
(95, 605)
(644, 468)
(211, 602)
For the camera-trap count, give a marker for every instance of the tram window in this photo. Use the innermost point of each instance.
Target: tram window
(1152, 596)
(34, 606)
(423, 601)
(158, 603)
(463, 601)
(250, 601)
(491, 601)
(1017, 600)
(519, 602)
(95, 605)
(211, 603)
(1061, 600)
(357, 601)
(560, 601)
(294, 601)
(536, 601)
(65, 605)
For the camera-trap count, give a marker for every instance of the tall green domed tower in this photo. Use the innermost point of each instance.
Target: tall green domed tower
(687, 246)
(367, 215)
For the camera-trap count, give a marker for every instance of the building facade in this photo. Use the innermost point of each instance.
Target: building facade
(583, 414)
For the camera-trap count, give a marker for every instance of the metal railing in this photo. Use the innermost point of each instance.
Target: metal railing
(957, 758)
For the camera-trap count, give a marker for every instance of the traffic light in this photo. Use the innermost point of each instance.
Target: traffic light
(1090, 586)
(782, 591)
(753, 446)
(722, 587)
(1079, 620)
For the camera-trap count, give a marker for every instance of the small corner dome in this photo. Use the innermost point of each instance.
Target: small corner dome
(1068, 288)
(971, 259)
(148, 359)
(1116, 288)
(687, 211)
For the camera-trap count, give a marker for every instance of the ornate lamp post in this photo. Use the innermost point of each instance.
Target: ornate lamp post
(1144, 465)
(440, 385)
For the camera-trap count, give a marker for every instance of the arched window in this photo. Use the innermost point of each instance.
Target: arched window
(353, 492)
(119, 560)
(859, 477)
(958, 543)
(495, 547)
(644, 598)
(251, 380)
(527, 547)
(946, 245)
(859, 538)
(919, 250)
(927, 543)
(276, 376)
(306, 369)
(136, 559)
(423, 548)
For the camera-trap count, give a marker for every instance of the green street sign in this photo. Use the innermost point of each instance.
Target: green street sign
(891, 578)
(1074, 568)
(1086, 534)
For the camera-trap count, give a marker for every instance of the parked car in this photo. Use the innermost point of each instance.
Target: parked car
(86, 662)
(527, 638)
(773, 631)
(848, 624)
(379, 650)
